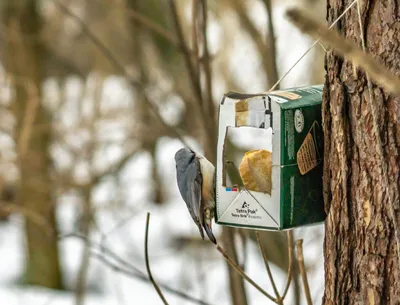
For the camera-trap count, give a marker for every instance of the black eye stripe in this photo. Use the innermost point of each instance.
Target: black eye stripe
(192, 158)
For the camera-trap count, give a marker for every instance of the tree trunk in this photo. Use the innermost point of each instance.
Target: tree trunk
(361, 185)
(24, 60)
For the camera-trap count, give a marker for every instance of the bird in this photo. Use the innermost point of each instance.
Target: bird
(196, 183)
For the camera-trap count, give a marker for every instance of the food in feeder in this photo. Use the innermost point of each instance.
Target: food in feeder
(256, 171)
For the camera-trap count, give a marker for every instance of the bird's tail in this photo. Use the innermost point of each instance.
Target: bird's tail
(209, 232)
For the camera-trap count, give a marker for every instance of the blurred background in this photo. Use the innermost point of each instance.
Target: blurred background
(96, 97)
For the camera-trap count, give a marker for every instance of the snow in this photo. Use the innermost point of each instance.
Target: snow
(180, 268)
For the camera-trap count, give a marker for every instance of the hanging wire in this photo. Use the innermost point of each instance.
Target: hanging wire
(310, 48)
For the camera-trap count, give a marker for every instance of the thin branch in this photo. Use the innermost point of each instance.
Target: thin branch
(195, 81)
(300, 260)
(248, 25)
(195, 43)
(265, 258)
(95, 40)
(271, 44)
(144, 278)
(116, 167)
(239, 270)
(207, 127)
(209, 107)
(345, 48)
(116, 263)
(146, 254)
(152, 26)
(290, 268)
(186, 54)
(207, 62)
(236, 281)
(30, 214)
(241, 233)
(119, 66)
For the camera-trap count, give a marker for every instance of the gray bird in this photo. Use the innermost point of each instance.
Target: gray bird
(195, 177)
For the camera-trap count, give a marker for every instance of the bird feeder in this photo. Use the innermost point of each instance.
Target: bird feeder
(270, 159)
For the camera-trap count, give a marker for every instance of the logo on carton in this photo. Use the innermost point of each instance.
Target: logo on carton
(298, 120)
(246, 212)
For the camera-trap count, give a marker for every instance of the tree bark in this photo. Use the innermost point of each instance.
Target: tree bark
(24, 60)
(361, 261)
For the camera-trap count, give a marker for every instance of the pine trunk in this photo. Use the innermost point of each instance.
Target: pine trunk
(24, 61)
(362, 163)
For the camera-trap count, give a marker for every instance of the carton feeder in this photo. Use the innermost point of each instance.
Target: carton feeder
(269, 159)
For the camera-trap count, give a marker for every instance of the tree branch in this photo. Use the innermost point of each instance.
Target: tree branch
(239, 270)
(271, 45)
(290, 268)
(152, 26)
(263, 49)
(186, 54)
(265, 258)
(195, 44)
(146, 254)
(116, 263)
(300, 260)
(119, 66)
(207, 62)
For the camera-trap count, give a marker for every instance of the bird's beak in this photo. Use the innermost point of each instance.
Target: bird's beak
(207, 227)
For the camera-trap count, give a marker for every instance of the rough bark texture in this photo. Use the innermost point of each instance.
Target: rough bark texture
(25, 61)
(361, 262)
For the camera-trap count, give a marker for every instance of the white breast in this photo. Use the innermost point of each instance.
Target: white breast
(207, 170)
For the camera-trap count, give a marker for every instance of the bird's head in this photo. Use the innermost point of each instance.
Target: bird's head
(184, 156)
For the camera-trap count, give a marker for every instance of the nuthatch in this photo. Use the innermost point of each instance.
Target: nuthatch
(195, 177)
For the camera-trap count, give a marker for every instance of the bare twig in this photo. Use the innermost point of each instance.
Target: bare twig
(207, 125)
(265, 258)
(236, 281)
(195, 44)
(28, 213)
(146, 254)
(96, 41)
(152, 26)
(243, 241)
(345, 48)
(188, 60)
(271, 45)
(239, 270)
(113, 261)
(265, 51)
(207, 63)
(120, 67)
(290, 268)
(144, 278)
(300, 260)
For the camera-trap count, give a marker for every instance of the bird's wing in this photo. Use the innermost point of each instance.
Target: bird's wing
(190, 189)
